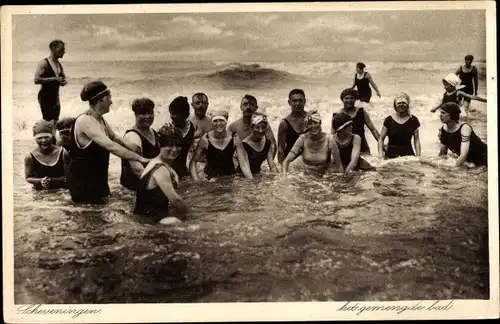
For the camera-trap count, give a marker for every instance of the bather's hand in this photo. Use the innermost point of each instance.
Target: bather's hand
(45, 183)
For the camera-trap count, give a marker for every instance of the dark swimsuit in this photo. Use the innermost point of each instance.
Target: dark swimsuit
(219, 162)
(478, 150)
(468, 80)
(345, 157)
(291, 137)
(179, 164)
(88, 172)
(128, 179)
(363, 86)
(358, 128)
(151, 202)
(40, 170)
(400, 136)
(255, 158)
(48, 96)
(450, 97)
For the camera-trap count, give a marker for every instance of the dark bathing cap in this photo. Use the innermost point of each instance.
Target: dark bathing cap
(341, 120)
(349, 91)
(42, 127)
(451, 108)
(361, 65)
(469, 57)
(92, 90)
(169, 136)
(142, 106)
(65, 123)
(180, 105)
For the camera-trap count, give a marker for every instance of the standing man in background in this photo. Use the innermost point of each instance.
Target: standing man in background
(50, 75)
(468, 74)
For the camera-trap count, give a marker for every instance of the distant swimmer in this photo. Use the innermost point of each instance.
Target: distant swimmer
(50, 75)
(179, 114)
(359, 116)
(203, 123)
(45, 166)
(219, 146)
(63, 127)
(400, 127)
(362, 81)
(157, 183)
(349, 144)
(292, 125)
(318, 149)
(451, 84)
(143, 138)
(468, 74)
(93, 141)
(243, 126)
(257, 146)
(460, 138)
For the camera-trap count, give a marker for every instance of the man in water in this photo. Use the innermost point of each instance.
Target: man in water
(199, 102)
(243, 126)
(468, 74)
(50, 75)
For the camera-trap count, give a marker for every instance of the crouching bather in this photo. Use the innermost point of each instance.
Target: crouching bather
(318, 149)
(349, 144)
(157, 183)
(46, 164)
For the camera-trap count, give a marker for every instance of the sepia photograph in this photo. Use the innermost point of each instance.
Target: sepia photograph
(210, 155)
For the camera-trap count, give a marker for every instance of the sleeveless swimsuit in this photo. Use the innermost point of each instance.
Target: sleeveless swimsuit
(400, 136)
(345, 156)
(478, 150)
(358, 128)
(363, 86)
(88, 171)
(48, 96)
(291, 137)
(255, 158)
(219, 162)
(151, 202)
(128, 179)
(179, 164)
(41, 170)
(452, 97)
(468, 80)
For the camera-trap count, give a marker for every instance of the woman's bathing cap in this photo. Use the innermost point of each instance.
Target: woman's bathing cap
(340, 121)
(219, 115)
(258, 118)
(312, 116)
(401, 97)
(451, 108)
(453, 80)
(42, 128)
(349, 91)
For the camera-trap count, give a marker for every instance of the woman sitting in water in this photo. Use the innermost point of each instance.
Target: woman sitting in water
(460, 138)
(257, 146)
(219, 145)
(45, 166)
(451, 84)
(349, 144)
(318, 149)
(156, 186)
(143, 137)
(92, 141)
(400, 128)
(359, 117)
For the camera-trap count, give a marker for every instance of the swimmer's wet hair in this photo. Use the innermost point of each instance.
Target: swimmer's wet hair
(361, 65)
(65, 123)
(453, 109)
(296, 91)
(94, 91)
(180, 105)
(142, 106)
(55, 43)
(469, 57)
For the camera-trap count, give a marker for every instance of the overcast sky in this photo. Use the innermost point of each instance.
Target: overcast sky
(238, 37)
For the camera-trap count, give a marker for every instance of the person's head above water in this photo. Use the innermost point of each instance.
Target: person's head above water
(401, 102)
(169, 140)
(219, 120)
(259, 124)
(248, 105)
(342, 122)
(143, 109)
(313, 122)
(179, 111)
(57, 48)
(297, 100)
(452, 82)
(63, 126)
(349, 97)
(452, 110)
(360, 67)
(199, 102)
(97, 94)
(42, 132)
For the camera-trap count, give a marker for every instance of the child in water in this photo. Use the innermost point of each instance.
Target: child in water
(451, 84)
